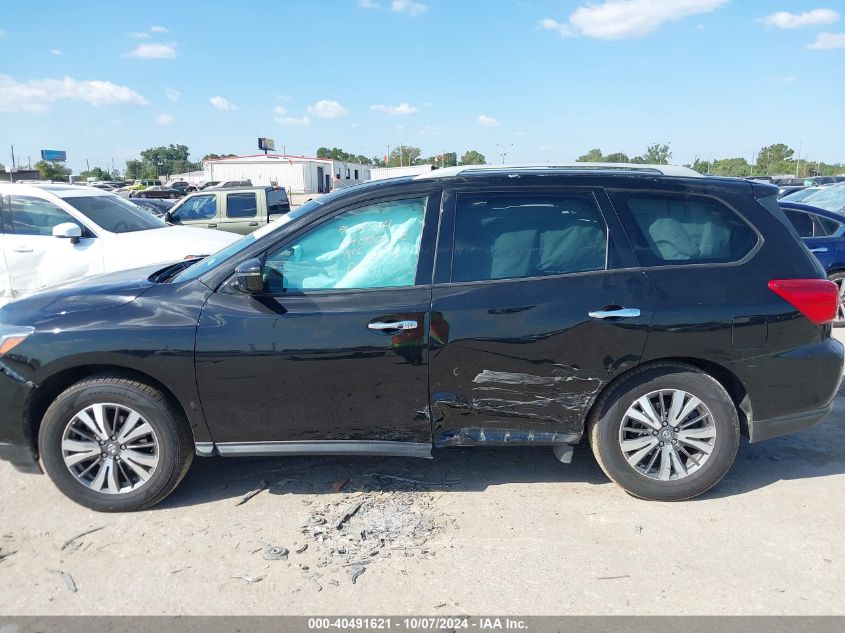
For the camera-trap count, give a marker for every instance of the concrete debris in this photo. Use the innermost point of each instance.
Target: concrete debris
(302, 549)
(275, 552)
(250, 579)
(355, 571)
(347, 514)
(5, 555)
(69, 582)
(262, 485)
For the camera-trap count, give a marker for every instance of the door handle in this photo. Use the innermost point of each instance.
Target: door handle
(253, 223)
(820, 249)
(212, 226)
(621, 313)
(22, 249)
(380, 326)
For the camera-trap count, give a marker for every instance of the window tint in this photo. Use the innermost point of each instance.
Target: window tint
(672, 229)
(824, 227)
(502, 236)
(376, 246)
(277, 201)
(802, 222)
(197, 208)
(114, 213)
(33, 216)
(241, 205)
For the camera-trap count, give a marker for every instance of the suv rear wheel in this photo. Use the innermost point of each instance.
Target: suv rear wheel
(667, 433)
(115, 444)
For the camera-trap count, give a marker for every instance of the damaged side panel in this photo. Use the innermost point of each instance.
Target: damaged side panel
(522, 362)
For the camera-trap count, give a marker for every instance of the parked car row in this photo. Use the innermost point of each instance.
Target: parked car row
(658, 312)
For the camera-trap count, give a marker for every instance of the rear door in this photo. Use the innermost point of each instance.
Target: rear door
(34, 257)
(241, 212)
(202, 210)
(537, 304)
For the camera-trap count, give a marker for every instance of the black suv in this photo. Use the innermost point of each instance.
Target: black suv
(657, 312)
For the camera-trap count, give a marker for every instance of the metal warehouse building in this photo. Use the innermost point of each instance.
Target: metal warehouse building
(297, 174)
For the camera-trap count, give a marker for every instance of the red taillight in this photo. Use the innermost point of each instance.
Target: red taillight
(816, 299)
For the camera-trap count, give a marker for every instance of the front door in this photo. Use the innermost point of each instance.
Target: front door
(200, 210)
(333, 356)
(540, 304)
(34, 258)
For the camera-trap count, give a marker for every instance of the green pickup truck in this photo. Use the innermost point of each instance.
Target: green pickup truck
(240, 210)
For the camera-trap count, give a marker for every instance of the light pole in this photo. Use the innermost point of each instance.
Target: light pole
(503, 152)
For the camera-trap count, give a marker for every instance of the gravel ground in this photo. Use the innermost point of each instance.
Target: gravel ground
(505, 531)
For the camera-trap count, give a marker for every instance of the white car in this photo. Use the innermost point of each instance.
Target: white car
(54, 233)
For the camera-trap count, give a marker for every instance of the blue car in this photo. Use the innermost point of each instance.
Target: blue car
(824, 234)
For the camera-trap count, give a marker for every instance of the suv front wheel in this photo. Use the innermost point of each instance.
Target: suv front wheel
(667, 433)
(115, 444)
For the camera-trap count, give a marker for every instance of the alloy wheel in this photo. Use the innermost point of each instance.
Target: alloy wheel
(110, 448)
(667, 434)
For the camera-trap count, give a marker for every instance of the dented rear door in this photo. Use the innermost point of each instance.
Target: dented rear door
(516, 357)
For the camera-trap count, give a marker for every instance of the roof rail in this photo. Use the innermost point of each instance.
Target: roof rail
(655, 170)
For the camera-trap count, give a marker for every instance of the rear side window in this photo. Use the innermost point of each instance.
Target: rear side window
(241, 205)
(512, 236)
(670, 229)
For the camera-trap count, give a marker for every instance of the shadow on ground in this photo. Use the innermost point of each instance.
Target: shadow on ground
(818, 452)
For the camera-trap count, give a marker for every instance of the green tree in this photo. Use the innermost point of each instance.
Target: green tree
(617, 157)
(166, 160)
(404, 155)
(447, 159)
(473, 157)
(593, 156)
(97, 173)
(336, 153)
(656, 154)
(52, 171)
(214, 156)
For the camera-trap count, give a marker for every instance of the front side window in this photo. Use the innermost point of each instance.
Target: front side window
(197, 208)
(29, 215)
(670, 229)
(375, 246)
(241, 205)
(512, 236)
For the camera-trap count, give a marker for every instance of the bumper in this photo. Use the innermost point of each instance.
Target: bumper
(15, 446)
(759, 430)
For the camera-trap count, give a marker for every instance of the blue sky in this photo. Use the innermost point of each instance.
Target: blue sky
(545, 80)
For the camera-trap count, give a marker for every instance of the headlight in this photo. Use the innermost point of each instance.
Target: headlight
(11, 336)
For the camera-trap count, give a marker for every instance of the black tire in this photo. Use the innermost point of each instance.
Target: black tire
(839, 279)
(608, 416)
(175, 442)
(172, 196)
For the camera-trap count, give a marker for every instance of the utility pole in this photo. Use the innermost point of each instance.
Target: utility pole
(13, 157)
(503, 152)
(798, 162)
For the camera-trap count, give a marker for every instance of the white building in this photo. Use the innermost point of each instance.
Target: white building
(297, 174)
(380, 173)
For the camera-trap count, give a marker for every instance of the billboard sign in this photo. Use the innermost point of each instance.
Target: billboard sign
(54, 155)
(267, 144)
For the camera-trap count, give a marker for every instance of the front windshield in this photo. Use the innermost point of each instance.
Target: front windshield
(830, 198)
(114, 214)
(200, 268)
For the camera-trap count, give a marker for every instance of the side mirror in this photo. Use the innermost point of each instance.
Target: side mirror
(168, 217)
(68, 231)
(248, 277)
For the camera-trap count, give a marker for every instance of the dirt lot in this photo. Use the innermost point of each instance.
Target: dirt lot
(493, 531)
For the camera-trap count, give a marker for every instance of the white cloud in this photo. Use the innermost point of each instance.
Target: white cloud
(787, 20)
(154, 51)
(139, 35)
(326, 109)
(172, 94)
(55, 51)
(36, 95)
(487, 121)
(159, 29)
(402, 108)
(220, 103)
(827, 41)
(369, 4)
(410, 7)
(283, 118)
(164, 119)
(620, 19)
